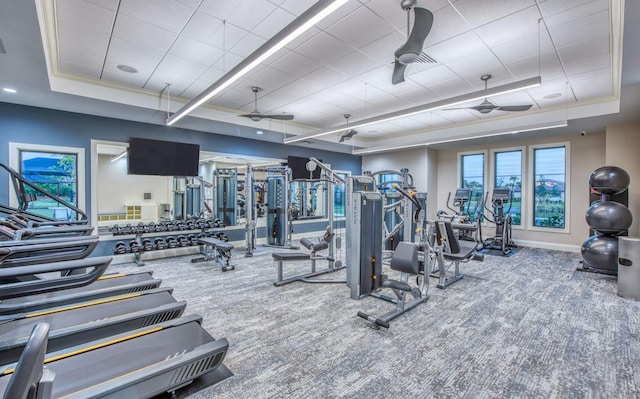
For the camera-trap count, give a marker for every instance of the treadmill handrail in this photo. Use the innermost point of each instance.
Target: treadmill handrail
(98, 264)
(49, 252)
(30, 367)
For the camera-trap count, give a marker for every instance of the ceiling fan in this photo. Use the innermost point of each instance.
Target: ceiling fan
(257, 116)
(411, 51)
(349, 133)
(487, 106)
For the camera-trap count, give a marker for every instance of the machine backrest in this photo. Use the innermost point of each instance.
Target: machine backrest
(26, 377)
(405, 258)
(445, 229)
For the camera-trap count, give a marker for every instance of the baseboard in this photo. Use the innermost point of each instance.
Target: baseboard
(548, 245)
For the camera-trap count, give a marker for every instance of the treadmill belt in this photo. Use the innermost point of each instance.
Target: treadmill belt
(22, 327)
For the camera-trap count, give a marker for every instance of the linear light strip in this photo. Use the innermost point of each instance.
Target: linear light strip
(119, 156)
(448, 102)
(306, 20)
(552, 125)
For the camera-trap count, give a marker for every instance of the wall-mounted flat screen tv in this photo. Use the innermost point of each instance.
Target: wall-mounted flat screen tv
(162, 158)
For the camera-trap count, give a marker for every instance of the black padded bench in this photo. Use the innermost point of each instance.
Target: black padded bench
(215, 249)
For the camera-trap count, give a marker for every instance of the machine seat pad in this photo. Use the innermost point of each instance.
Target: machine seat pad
(214, 242)
(396, 285)
(314, 246)
(405, 258)
(467, 249)
(290, 256)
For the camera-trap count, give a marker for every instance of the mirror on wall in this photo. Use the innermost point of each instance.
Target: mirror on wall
(219, 191)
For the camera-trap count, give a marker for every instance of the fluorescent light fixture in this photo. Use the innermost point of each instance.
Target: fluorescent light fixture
(9, 90)
(306, 20)
(448, 102)
(259, 132)
(119, 156)
(373, 150)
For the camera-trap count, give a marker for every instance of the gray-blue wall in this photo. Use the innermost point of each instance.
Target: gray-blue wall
(32, 125)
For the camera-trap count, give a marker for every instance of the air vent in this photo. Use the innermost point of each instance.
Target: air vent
(2, 49)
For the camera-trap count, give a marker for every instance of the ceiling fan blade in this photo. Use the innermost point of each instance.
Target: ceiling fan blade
(514, 108)
(398, 73)
(411, 50)
(280, 117)
(253, 116)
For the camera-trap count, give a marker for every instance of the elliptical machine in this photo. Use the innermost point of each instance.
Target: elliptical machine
(502, 240)
(463, 214)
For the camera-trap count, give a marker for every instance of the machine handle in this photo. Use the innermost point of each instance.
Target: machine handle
(625, 262)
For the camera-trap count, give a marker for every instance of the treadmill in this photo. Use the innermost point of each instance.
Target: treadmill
(137, 364)
(44, 250)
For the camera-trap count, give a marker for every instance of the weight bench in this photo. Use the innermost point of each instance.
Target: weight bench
(215, 249)
(313, 245)
(450, 249)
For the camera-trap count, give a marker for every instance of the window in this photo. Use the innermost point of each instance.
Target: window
(508, 173)
(339, 197)
(57, 170)
(550, 182)
(472, 176)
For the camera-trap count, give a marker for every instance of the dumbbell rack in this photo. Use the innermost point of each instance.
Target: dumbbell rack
(137, 247)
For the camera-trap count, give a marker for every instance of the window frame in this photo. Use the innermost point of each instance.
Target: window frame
(485, 166)
(523, 176)
(567, 188)
(14, 162)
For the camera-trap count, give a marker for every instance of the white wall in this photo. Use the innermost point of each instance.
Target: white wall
(623, 150)
(116, 188)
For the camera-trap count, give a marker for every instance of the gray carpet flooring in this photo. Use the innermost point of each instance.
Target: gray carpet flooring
(527, 326)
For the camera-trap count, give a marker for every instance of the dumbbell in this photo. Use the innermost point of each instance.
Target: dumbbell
(221, 236)
(147, 245)
(160, 243)
(171, 242)
(134, 246)
(120, 248)
(183, 241)
(193, 239)
(115, 229)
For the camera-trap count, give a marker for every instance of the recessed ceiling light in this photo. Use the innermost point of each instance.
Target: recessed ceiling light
(259, 132)
(552, 95)
(127, 68)
(9, 90)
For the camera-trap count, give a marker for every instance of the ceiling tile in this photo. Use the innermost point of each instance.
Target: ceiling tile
(247, 45)
(85, 15)
(123, 52)
(552, 7)
(201, 27)
(356, 31)
(323, 48)
(195, 51)
(79, 69)
(572, 14)
(196, 87)
(479, 13)
(273, 23)
(342, 12)
(580, 30)
(457, 47)
(326, 76)
(182, 66)
(297, 7)
(270, 78)
(523, 47)
(550, 67)
(211, 75)
(447, 23)
(220, 9)
(295, 63)
(160, 78)
(168, 14)
(520, 24)
(383, 49)
(81, 46)
(451, 88)
(476, 64)
(438, 73)
(354, 64)
(597, 46)
(595, 84)
(109, 4)
(142, 33)
(249, 14)
(124, 78)
(580, 65)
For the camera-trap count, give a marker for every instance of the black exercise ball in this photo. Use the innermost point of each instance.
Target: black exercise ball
(601, 252)
(609, 217)
(609, 180)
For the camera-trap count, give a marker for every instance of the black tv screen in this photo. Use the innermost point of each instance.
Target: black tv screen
(299, 170)
(162, 158)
